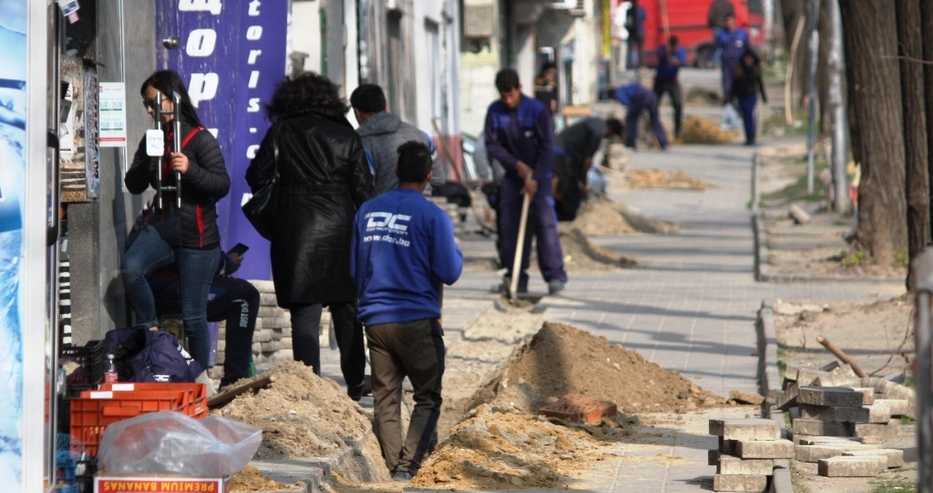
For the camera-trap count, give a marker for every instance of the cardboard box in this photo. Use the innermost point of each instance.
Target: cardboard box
(106, 483)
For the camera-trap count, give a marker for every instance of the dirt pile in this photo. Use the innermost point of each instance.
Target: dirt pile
(502, 451)
(304, 416)
(601, 216)
(665, 179)
(560, 359)
(704, 131)
(581, 255)
(250, 479)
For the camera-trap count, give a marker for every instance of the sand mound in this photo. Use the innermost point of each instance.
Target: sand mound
(697, 130)
(562, 359)
(250, 479)
(665, 179)
(304, 416)
(603, 217)
(493, 450)
(581, 255)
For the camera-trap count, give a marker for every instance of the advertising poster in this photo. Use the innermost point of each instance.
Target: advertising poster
(112, 114)
(232, 55)
(12, 190)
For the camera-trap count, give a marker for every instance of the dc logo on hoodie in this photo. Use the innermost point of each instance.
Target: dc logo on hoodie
(387, 220)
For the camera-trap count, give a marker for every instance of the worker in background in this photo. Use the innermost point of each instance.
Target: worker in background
(574, 149)
(730, 44)
(671, 56)
(745, 89)
(635, 18)
(637, 98)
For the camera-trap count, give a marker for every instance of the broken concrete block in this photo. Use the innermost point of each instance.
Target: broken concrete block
(734, 466)
(743, 482)
(806, 376)
(898, 407)
(771, 449)
(789, 398)
(745, 429)
(819, 440)
(799, 215)
(814, 453)
(852, 467)
(864, 414)
(890, 390)
(825, 428)
(895, 456)
(891, 429)
(830, 396)
(837, 380)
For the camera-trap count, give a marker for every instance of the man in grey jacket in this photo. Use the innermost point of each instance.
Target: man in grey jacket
(383, 133)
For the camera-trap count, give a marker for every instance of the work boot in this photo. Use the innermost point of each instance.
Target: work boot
(555, 286)
(401, 476)
(503, 287)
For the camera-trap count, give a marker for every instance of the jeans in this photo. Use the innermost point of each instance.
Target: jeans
(747, 109)
(196, 270)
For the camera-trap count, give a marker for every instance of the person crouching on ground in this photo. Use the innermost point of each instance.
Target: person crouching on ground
(403, 248)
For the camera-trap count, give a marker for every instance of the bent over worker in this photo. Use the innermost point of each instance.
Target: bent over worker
(402, 250)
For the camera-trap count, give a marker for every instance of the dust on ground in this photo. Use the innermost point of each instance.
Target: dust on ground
(696, 130)
(250, 479)
(561, 359)
(304, 416)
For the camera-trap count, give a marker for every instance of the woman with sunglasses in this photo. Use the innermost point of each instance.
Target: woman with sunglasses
(185, 235)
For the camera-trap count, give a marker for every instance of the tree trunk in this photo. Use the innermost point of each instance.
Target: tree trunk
(926, 20)
(795, 11)
(875, 94)
(910, 46)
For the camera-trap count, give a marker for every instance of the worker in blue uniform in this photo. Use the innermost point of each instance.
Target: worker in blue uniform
(519, 133)
(731, 44)
(637, 98)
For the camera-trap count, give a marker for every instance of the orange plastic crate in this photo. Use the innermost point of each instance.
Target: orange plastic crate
(93, 411)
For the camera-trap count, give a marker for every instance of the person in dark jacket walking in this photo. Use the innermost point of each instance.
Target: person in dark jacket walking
(745, 88)
(186, 235)
(404, 250)
(671, 56)
(382, 133)
(519, 133)
(323, 179)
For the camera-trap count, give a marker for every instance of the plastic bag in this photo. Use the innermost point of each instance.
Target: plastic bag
(730, 118)
(169, 442)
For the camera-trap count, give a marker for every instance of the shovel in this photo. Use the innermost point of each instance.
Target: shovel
(519, 251)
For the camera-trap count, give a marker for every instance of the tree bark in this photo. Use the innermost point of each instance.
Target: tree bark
(910, 45)
(926, 21)
(875, 93)
(794, 11)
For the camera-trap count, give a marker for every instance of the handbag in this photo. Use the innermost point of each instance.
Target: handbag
(262, 209)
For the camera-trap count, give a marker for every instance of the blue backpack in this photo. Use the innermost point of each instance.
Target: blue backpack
(145, 355)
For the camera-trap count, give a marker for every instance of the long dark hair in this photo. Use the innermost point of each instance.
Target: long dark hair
(306, 93)
(168, 82)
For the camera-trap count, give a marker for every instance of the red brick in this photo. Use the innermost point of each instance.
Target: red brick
(579, 408)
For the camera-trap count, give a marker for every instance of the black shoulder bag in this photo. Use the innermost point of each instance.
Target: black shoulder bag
(262, 209)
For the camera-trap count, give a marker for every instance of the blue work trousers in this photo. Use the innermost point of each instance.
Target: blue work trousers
(196, 270)
(747, 108)
(542, 224)
(641, 101)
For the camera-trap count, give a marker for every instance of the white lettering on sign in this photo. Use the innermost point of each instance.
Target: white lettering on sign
(212, 6)
(201, 42)
(252, 150)
(253, 55)
(254, 8)
(254, 33)
(203, 87)
(253, 105)
(253, 79)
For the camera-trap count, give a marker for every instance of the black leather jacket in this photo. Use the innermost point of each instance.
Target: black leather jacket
(206, 182)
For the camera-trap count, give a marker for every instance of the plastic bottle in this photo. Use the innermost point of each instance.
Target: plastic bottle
(110, 370)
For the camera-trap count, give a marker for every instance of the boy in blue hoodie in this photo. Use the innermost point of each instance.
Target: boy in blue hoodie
(403, 249)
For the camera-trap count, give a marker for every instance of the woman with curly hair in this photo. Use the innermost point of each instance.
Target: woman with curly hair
(323, 179)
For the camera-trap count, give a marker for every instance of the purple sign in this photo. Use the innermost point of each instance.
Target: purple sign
(232, 55)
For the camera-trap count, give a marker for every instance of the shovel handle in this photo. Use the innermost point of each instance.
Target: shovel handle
(519, 246)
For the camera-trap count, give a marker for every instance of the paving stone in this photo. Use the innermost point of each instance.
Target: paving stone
(819, 440)
(825, 428)
(895, 456)
(837, 380)
(852, 467)
(745, 429)
(864, 414)
(830, 396)
(772, 449)
(891, 429)
(712, 457)
(731, 465)
(898, 407)
(743, 482)
(788, 399)
(814, 453)
(727, 446)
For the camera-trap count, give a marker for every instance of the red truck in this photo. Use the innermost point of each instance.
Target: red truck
(687, 19)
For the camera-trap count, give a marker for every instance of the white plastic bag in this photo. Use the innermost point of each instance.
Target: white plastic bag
(730, 118)
(170, 442)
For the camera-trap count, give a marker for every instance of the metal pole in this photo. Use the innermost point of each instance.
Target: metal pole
(811, 87)
(176, 142)
(157, 115)
(923, 278)
(837, 67)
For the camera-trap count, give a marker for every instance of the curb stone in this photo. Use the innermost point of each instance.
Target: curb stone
(769, 377)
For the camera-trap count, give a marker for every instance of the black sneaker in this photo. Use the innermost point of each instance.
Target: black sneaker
(401, 476)
(555, 286)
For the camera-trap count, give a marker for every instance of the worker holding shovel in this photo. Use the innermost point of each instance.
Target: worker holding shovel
(519, 134)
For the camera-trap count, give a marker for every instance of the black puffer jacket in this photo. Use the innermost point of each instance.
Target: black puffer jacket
(206, 182)
(324, 179)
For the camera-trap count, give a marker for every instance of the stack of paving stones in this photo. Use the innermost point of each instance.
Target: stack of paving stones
(272, 337)
(747, 449)
(839, 419)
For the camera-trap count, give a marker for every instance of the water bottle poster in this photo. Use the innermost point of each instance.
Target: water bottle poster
(12, 190)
